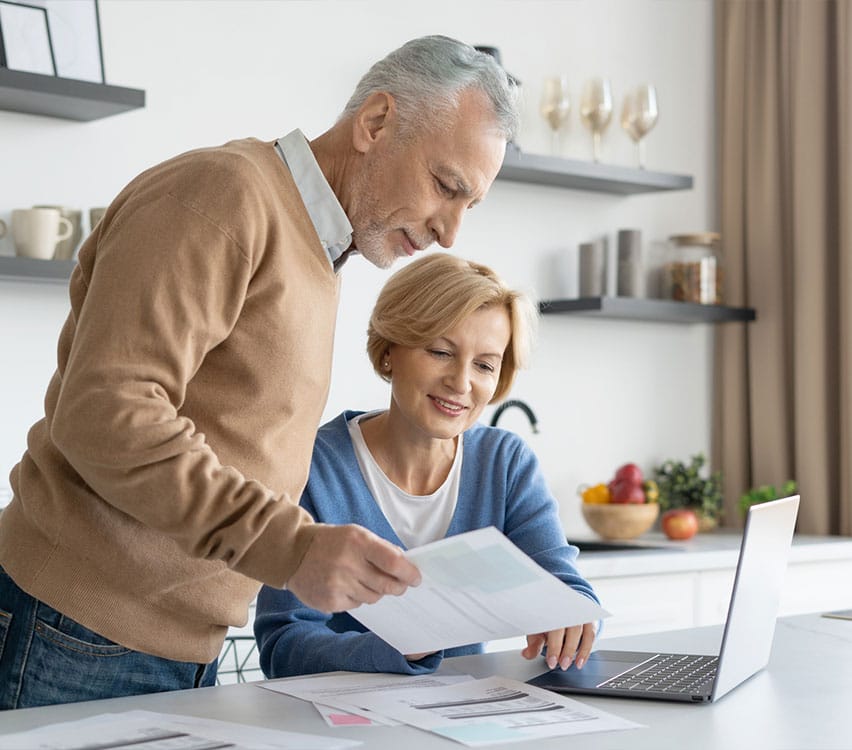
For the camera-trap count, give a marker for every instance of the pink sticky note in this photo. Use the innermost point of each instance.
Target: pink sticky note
(340, 720)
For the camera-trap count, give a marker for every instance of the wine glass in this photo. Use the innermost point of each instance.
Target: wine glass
(555, 105)
(596, 109)
(638, 115)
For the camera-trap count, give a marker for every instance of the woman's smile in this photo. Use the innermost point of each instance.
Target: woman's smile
(448, 407)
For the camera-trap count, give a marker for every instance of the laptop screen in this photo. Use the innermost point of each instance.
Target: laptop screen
(756, 595)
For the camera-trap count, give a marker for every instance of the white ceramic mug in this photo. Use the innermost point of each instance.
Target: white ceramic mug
(65, 248)
(37, 231)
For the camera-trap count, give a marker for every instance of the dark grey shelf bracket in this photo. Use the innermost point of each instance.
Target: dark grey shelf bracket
(583, 175)
(657, 310)
(35, 270)
(50, 96)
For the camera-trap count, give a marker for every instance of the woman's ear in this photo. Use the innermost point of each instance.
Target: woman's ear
(373, 121)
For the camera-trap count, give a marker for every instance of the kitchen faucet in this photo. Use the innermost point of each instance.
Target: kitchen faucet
(522, 406)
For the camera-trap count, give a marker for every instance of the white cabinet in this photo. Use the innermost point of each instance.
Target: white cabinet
(817, 586)
(713, 595)
(648, 603)
(665, 601)
(690, 585)
(682, 585)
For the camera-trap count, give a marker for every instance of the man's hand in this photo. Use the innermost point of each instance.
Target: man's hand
(346, 566)
(563, 646)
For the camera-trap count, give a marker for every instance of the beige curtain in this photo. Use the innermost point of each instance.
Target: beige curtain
(784, 383)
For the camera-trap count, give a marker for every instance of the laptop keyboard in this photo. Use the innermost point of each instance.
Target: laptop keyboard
(668, 673)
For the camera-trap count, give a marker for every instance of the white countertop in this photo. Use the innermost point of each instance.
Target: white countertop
(715, 550)
(800, 701)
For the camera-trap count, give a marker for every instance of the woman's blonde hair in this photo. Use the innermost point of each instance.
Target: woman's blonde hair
(432, 295)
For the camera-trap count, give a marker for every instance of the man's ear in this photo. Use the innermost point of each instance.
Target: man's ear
(373, 121)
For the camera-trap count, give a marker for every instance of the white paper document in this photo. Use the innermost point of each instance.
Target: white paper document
(146, 730)
(337, 689)
(476, 587)
(492, 711)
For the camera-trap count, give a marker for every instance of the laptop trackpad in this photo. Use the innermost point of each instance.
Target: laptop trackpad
(601, 666)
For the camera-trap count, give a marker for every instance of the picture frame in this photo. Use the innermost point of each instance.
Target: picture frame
(25, 42)
(75, 31)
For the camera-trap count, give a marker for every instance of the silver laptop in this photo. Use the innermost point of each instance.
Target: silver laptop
(746, 642)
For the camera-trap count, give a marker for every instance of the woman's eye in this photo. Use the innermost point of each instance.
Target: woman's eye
(485, 367)
(439, 353)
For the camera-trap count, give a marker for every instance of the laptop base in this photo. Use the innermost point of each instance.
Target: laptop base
(602, 667)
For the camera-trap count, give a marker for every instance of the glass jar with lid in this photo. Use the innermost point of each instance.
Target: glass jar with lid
(693, 268)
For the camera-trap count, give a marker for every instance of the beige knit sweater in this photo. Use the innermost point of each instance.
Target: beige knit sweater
(193, 369)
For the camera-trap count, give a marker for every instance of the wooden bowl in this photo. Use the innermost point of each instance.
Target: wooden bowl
(620, 520)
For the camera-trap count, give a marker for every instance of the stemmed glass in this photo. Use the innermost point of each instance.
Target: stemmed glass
(596, 109)
(555, 106)
(638, 115)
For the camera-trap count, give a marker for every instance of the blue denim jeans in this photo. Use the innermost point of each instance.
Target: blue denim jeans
(46, 658)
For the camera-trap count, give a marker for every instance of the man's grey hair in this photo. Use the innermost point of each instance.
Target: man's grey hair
(426, 75)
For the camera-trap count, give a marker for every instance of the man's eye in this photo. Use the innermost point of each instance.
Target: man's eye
(444, 188)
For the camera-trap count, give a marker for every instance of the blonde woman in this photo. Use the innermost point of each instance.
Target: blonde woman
(448, 336)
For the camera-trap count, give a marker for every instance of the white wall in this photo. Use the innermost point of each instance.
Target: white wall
(605, 391)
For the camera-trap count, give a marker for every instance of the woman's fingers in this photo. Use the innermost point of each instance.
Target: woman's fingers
(535, 643)
(586, 642)
(564, 645)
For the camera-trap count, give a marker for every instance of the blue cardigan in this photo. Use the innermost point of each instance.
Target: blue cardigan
(501, 485)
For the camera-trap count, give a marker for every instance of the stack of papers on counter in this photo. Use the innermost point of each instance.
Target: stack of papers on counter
(491, 711)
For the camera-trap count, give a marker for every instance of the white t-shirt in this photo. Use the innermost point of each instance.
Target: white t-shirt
(416, 519)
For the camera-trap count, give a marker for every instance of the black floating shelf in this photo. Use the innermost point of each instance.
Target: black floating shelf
(658, 310)
(36, 270)
(585, 175)
(37, 94)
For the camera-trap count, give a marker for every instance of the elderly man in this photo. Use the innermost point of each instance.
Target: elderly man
(153, 500)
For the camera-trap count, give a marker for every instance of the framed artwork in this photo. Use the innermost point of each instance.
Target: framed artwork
(75, 32)
(25, 42)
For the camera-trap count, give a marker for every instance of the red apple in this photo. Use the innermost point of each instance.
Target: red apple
(680, 523)
(625, 491)
(629, 472)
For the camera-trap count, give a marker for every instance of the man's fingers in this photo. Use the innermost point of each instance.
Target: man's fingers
(346, 566)
(391, 561)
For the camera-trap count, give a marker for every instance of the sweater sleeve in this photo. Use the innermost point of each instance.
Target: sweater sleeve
(294, 639)
(532, 520)
(157, 302)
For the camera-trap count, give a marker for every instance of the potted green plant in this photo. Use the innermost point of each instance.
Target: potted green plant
(683, 486)
(765, 493)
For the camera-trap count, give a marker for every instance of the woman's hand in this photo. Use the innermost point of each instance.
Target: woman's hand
(418, 657)
(563, 645)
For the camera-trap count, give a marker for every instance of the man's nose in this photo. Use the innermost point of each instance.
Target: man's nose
(446, 226)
